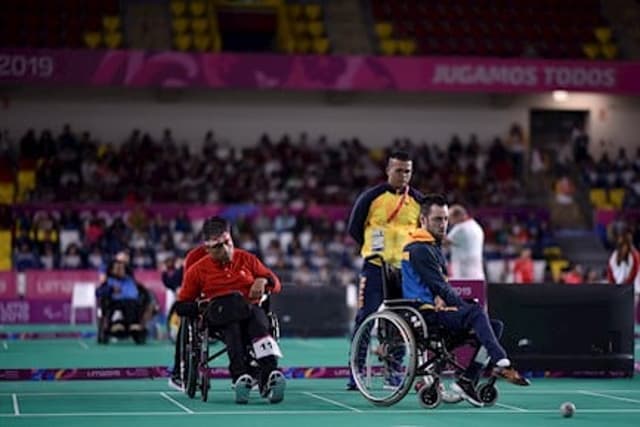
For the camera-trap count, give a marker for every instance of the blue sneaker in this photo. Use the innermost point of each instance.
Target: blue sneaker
(274, 390)
(243, 388)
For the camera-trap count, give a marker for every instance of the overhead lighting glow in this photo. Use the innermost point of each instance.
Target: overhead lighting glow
(560, 95)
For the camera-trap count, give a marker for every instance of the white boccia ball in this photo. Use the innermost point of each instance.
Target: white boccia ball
(567, 409)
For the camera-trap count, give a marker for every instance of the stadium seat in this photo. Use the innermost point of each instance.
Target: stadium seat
(552, 252)
(178, 8)
(315, 28)
(591, 50)
(111, 23)
(598, 197)
(407, 46)
(113, 40)
(199, 25)
(320, 45)
(5, 250)
(7, 193)
(616, 197)
(201, 42)
(180, 25)
(300, 28)
(495, 270)
(83, 296)
(303, 45)
(388, 47)
(603, 34)
(92, 39)
(539, 267)
(183, 42)
(609, 50)
(313, 11)
(295, 10)
(383, 30)
(556, 268)
(197, 8)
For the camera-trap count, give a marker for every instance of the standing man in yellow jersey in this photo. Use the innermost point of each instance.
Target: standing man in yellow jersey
(380, 222)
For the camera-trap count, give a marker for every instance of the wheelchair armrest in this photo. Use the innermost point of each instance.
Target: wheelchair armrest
(188, 308)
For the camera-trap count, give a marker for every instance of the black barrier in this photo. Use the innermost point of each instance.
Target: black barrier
(565, 327)
(312, 312)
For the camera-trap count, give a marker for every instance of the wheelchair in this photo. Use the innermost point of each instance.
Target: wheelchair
(112, 319)
(197, 339)
(394, 346)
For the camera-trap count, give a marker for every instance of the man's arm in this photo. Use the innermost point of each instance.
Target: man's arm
(425, 263)
(261, 270)
(190, 289)
(359, 213)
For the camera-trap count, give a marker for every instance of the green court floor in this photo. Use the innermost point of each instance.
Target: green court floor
(308, 402)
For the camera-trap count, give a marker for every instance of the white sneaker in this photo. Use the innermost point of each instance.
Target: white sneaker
(176, 384)
(243, 388)
(275, 387)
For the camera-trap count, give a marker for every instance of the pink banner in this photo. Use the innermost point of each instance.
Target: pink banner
(310, 72)
(7, 285)
(56, 284)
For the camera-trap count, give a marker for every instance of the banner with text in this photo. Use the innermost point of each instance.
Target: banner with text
(131, 68)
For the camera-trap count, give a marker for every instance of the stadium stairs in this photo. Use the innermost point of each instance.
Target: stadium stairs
(582, 247)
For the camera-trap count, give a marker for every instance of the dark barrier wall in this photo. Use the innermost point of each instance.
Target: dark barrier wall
(565, 327)
(312, 312)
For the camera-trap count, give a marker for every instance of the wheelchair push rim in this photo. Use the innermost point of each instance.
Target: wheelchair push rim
(383, 358)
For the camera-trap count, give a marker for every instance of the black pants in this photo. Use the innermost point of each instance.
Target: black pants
(239, 336)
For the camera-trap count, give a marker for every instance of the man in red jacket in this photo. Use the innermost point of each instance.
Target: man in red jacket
(234, 281)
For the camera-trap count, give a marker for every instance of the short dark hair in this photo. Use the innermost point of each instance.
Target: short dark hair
(214, 227)
(400, 155)
(428, 200)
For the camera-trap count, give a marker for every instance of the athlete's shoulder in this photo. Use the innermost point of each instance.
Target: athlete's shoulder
(193, 256)
(416, 194)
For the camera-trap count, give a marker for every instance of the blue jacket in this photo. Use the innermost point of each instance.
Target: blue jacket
(424, 271)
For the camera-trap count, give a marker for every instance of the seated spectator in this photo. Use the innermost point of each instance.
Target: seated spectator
(523, 267)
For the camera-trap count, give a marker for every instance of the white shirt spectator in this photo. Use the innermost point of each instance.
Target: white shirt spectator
(466, 241)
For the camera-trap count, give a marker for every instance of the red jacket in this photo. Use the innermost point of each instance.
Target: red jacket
(207, 279)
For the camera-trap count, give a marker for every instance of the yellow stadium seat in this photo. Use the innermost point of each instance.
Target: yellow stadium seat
(178, 8)
(598, 197)
(609, 50)
(407, 46)
(182, 41)
(7, 193)
(616, 197)
(303, 45)
(300, 28)
(591, 50)
(383, 30)
(201, 42)
(295, 10)
(312, 11)
(603, 34)
(388, 47)
(113, 40)
(92, 39)
(111, 23)
(315, 28)
(5, 250)
(199, 25)
(556, 267)
(321, 45)
(552, 252)
(180, 25)
(197, 8)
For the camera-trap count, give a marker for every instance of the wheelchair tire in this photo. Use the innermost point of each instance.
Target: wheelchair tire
(192, 356)
(203, 366)
(488, 393)
(387, 337)
(430, 397)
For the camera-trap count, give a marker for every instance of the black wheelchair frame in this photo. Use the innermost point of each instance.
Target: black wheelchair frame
(196, 339)
(399, 318)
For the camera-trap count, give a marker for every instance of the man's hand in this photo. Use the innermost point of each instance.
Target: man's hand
(440, 305)
(257, 288)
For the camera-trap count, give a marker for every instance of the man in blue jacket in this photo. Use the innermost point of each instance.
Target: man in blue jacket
(424, 278)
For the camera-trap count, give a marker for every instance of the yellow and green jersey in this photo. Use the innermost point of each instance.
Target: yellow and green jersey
(381, 220)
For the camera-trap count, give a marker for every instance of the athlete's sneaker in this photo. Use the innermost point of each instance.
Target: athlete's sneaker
(175, 383)
(465, 388)
(243, 388)
(510, 374)
(274, 389)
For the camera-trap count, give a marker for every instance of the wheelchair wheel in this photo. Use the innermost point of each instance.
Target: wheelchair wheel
(383, 358)
(488, 393)
(192, 355)
(203, 371)
(430, 397)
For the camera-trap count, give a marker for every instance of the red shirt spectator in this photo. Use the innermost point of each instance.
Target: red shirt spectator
(523, 268)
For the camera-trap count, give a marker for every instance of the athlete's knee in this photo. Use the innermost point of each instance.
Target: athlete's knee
(497, 326)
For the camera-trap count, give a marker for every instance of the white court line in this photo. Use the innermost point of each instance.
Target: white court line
(83, 344)
(477, 411)
(515, 408)
(175, 402)
(16, 406)
(342, 405)
(608, 396)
